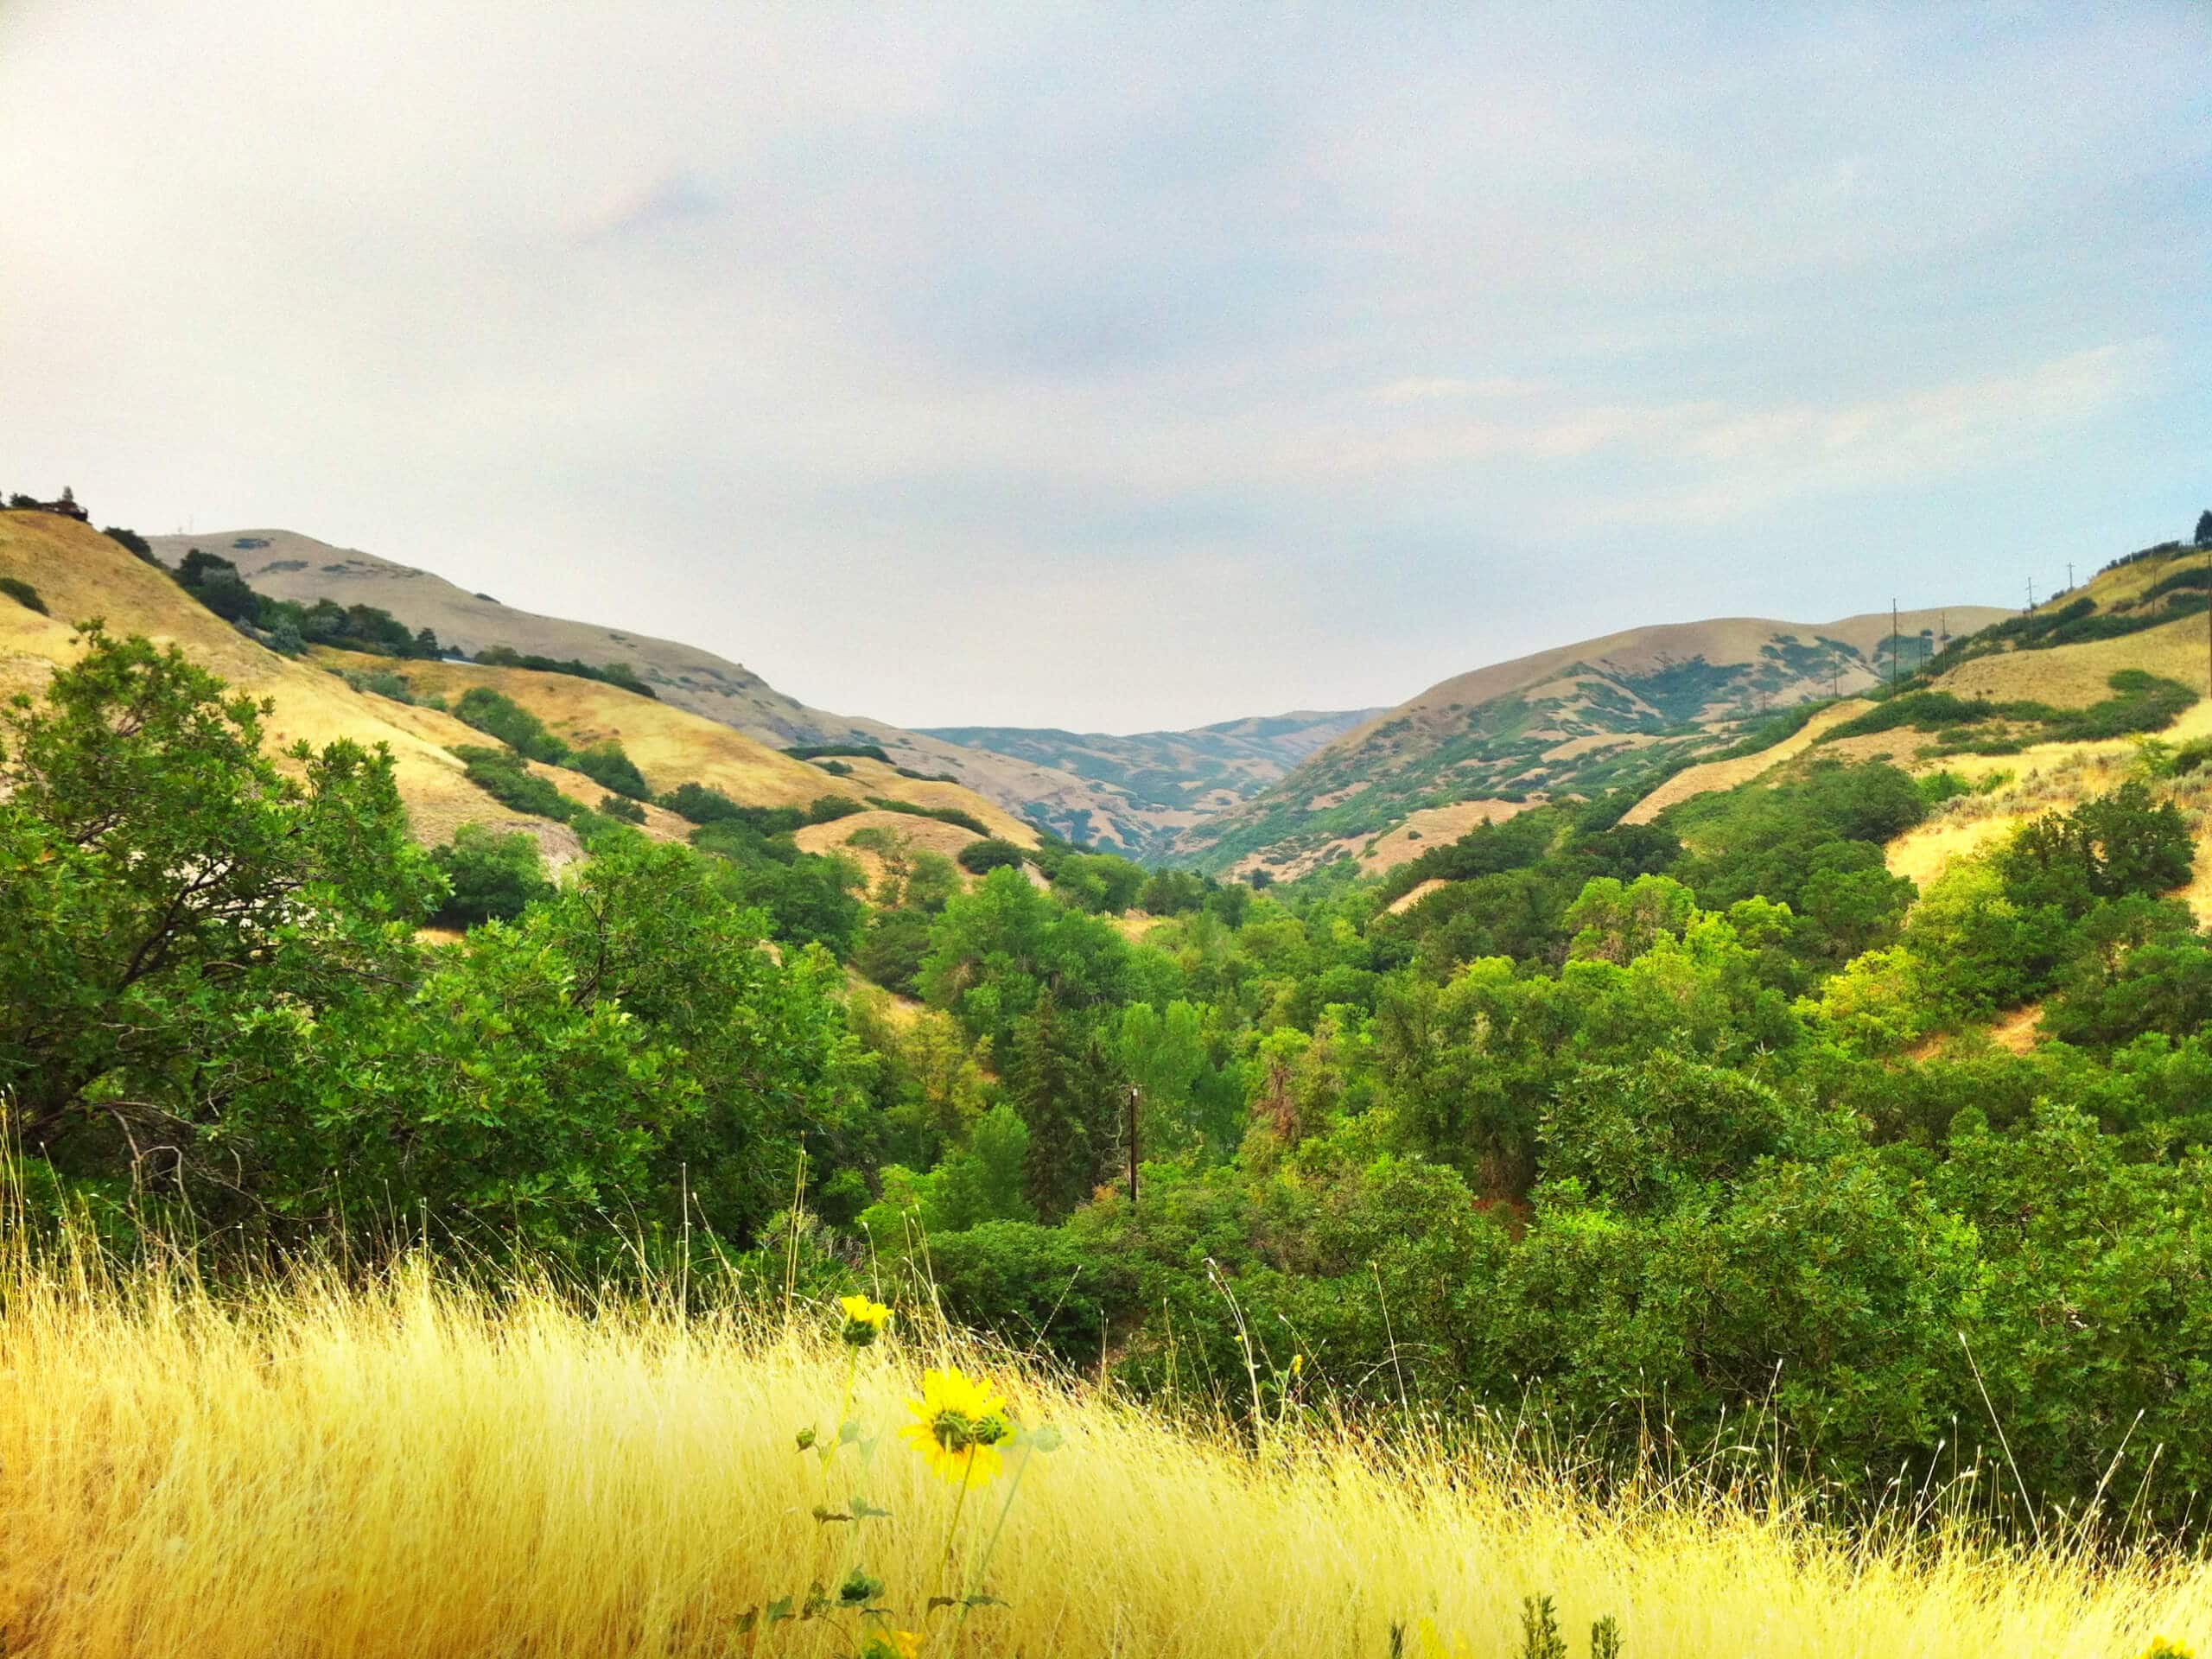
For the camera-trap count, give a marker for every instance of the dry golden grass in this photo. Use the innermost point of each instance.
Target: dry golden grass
(2074, 676)
(865, 776)
(913, 834)
(670, 745)
(1433, 826)
(2053, 777)
(1727, 774)
(414, 1472)
(1421, 890)
(81, 574)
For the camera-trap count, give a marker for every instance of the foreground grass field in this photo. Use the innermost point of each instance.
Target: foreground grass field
(415, 1470)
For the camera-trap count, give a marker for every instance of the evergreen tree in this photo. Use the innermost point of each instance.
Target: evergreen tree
(1063, 1086)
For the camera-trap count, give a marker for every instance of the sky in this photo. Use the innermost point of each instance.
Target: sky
(1122, 367)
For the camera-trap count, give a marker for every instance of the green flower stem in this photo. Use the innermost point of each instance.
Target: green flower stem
(991, 1544)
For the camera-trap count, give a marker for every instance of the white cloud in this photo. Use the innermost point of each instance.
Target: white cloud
(807, 332)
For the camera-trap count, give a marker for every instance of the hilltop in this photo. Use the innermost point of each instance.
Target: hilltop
(1578, 719)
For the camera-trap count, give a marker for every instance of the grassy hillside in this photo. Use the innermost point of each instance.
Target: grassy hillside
(671, 745)
(1579, 719)
(2015, 688)
(1163, 783)
(80, 574)
(287, 565)
(415, 1470)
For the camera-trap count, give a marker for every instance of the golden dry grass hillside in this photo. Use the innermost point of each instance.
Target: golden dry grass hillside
(81, 574)
(1703, 779)
(672, 745)
(413, 1471)
(285, 564)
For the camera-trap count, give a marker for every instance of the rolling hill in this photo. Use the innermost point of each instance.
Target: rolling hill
(77, 574)
(1166, 782)
(288, 565)
(1578, 719)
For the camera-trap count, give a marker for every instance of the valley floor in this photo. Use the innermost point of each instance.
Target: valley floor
(418, 1471)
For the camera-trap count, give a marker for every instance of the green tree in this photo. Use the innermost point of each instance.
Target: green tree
(167, 887)
(1065, 1090)
(981, 857)
(491, 875)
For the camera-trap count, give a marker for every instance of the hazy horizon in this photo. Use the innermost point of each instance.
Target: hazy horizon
(1120, 373)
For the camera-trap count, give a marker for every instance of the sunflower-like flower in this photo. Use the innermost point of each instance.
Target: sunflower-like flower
(864, 1319)
(959, 1425)
(2163, 1648)
(893, 1644)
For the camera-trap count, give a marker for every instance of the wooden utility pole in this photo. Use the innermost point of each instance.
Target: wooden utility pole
(1134, 1093)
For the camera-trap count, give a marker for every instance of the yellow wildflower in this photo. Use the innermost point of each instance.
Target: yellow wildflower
(959, 1425)
(864, 1319)
(2162, 1647)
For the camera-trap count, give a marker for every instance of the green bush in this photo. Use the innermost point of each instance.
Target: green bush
(619, 806)
(981, 857)
(828, 808)
(501, 775)
(616, 674)
(492, 875)
(607, 765)
(499, 716)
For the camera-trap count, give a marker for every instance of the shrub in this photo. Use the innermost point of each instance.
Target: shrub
(616, 674)
(699, 804)
(828, 808)
(492, 874)
(381, 682)
(140, 547)
(501, 775)
(501, 716)
(822, 750)
(618, 806)
(981, 857)
(607, 764)
(23, 593)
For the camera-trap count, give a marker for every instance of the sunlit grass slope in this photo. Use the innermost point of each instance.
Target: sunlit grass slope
(78, 574)
(414, 1472)
(672, 745)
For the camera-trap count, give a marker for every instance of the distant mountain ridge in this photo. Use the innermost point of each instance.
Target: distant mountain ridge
(1283, 793)
(1173, 780)
(1578, 719)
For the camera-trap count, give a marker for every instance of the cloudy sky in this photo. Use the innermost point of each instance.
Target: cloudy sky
(1122, 367)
